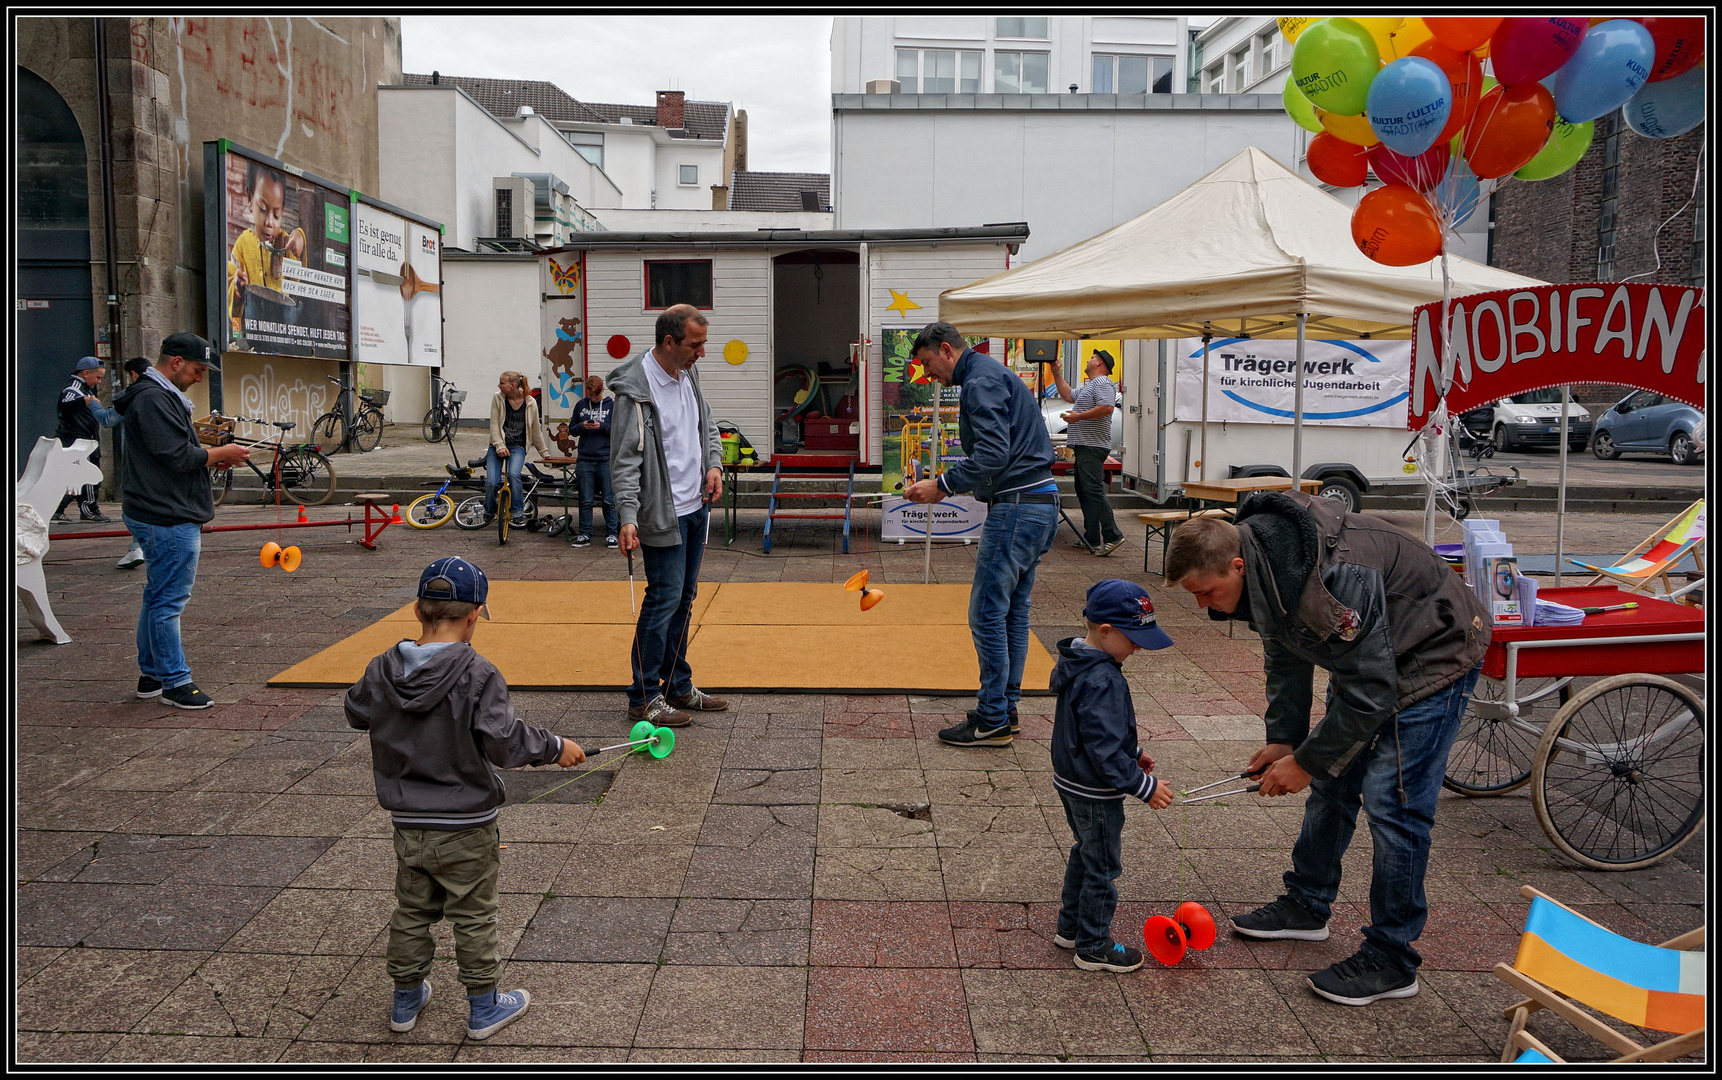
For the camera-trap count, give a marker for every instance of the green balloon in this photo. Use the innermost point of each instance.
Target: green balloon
(1333, 63)
(1567, 143)
(1299, 109)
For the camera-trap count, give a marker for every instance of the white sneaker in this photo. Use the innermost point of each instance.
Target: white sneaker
(133, 557)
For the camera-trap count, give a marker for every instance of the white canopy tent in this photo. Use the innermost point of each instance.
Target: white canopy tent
(1249, 250)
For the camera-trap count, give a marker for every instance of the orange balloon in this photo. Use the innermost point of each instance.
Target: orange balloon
(1461, 34)
(1337, 162)
(1411, 33)
(1351, 129)
(1395, 226)
(1511, 124)
(1464, 73)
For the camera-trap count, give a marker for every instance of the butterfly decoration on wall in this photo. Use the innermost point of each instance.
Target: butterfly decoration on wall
(567, 278)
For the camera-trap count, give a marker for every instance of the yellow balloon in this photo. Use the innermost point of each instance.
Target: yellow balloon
(1411, 33)
(735, 351)
(1381, 28)
(1352, 129)
(1292, 25)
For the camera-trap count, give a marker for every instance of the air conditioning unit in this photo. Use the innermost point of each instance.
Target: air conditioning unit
(512, 202)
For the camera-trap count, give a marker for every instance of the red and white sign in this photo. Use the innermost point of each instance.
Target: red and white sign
(1517, 340)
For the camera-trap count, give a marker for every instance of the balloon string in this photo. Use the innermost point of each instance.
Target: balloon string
(1656, 241)
(575, 777)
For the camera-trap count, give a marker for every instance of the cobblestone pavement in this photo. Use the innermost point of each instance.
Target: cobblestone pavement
(214, 886)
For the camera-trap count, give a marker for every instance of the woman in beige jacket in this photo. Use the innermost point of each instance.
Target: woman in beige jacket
(513, 424)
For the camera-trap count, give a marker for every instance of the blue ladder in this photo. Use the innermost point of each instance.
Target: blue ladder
(774, 513)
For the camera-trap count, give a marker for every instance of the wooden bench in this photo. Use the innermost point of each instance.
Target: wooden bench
(1163, 522)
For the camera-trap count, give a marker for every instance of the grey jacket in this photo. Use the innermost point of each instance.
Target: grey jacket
(1380, 611)
(436, 733)
(639, 475)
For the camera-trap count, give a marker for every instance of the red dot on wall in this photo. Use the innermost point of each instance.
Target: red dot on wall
(618, 346)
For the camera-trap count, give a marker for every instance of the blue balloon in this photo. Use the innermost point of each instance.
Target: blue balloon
(1457, 195)
(1611, 65)
(1409, 103)
(1663, 110)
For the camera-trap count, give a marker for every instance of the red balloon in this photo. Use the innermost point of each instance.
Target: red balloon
(1525, 50)
(1395, 226)
(1511, 125)
(1679, 44)
(1464, 73)
(1422, 172)
(1460, 34)
(1337, 162)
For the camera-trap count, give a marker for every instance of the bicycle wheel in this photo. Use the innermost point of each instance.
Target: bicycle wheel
(435, 424)
(307, 477)
(470, 515)
(367, 430)
(220, 483)
(1492, 754)
(430, 511)
(331, 431)
(1619, 777)
(504, 518)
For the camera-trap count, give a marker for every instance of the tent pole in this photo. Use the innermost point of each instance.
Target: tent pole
(1297, 409)
(1207, 336)
(1561, 493)
(932, 471)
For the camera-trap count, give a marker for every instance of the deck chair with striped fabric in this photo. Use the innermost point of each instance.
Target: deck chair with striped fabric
(1651, 561)
(1563, 955)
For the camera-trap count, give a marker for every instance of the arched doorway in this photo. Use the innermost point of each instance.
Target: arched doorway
(55, 320)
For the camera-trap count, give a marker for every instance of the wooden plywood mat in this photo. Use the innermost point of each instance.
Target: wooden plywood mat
(747, 637)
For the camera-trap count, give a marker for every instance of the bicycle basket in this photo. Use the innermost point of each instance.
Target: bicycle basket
(456, 397)
(374, 397)
(213, 430)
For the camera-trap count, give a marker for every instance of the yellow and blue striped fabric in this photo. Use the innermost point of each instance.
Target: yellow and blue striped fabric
(1641, 984)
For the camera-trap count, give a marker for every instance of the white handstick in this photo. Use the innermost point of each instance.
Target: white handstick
(631, 608)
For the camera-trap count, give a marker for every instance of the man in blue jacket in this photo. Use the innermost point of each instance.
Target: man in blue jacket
(1009, 467)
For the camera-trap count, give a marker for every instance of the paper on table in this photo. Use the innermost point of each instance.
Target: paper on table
(1550, 613)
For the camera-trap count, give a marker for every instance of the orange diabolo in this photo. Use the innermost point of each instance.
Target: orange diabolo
(1337, 162)
(1395, 226)
(1512, 123)
(1461, 34)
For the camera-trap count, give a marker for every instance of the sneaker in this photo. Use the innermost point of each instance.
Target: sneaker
(698, 700)
(187, 696)
(494, 1011)
(407, 1006)
(1063, 942)
(133, 557)
(582, 540)
(661, 712)
(971, 733)
(1363, 978)
(98, 517)
(59, 517)
(1082, 545)
(1015, 724)
(610, 541)
(1110, 957)
(517, 521)
(1285, 918)
(1106, 549)
(148, 687)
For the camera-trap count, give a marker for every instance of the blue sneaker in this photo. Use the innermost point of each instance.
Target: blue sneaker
(407, 1006)
(1111, 956)
(494, 1011)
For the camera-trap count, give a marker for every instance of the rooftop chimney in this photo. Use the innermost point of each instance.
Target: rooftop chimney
(670, 110)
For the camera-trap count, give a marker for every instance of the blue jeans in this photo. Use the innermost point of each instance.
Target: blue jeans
(1089, 893)
(1416, 745)
(516, 460)
(595, 479)
(170, 568)
(660, 655)
(1013, 539)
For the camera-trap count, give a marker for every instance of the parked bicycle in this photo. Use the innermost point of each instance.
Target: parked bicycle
(444, 416)
(432, 511)
(301, 472)
(365, 432)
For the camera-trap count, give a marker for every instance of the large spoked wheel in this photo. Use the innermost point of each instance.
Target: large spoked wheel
(307, 477)
(1619, 777)
(435, 424)
(331, 431)
(220, 483)
(1492, 754)
(470, 515)
(368, 430)
(430, 511)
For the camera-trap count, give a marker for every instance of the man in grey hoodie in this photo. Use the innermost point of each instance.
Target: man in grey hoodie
(664, 469)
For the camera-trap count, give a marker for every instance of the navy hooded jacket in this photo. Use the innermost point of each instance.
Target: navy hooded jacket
(1094, 747)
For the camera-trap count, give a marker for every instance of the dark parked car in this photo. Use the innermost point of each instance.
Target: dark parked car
(1643, 422)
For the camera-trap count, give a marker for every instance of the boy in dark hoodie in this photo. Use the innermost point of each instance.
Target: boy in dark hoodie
(439, 719)
(1096, 762)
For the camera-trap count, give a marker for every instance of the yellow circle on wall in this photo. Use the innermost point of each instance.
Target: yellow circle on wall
(735, 351)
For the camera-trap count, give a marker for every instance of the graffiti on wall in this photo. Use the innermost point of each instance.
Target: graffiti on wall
(286, 397)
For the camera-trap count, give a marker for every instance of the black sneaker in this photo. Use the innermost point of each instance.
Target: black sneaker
(1363, 978)
(1063, 942)
(1015, 724)
(187, 696)
(148, 687)
(1110, 957)
(1284, 918)
(610, 541)
(98, 517)
(971, 733)
(582, 540)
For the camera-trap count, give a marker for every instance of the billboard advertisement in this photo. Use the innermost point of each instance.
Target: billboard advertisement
(279, 274)
(397, 287)
(1252, 381)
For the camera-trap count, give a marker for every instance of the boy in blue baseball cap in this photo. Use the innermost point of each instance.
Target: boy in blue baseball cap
(439, 719)
(1096, 762)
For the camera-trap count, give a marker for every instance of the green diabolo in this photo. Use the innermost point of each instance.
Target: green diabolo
(1333, 63)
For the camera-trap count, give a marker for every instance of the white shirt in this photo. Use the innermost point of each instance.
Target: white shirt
(679, 427)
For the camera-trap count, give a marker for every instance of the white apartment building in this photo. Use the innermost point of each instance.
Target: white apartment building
(982, 54)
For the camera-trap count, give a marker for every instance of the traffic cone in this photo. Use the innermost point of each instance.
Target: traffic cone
(396, 519)
(303, 518)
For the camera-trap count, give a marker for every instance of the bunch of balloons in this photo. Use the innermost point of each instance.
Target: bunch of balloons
(1410, 99)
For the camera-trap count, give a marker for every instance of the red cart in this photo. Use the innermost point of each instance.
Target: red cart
(1617, 768)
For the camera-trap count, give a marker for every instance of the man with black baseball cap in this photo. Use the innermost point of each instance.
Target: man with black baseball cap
(165, 501)
(1089, 436)
(78, 421)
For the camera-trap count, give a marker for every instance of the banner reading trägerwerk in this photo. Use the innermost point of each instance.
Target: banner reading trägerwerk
(1346, 383)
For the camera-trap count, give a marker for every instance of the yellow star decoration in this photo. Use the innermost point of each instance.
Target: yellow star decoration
(900, 303)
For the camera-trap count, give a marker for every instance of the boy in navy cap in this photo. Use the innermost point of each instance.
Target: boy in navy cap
(1096, 762)
(439, 718)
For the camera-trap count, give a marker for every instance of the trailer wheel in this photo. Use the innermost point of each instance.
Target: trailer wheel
(1338, 487)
